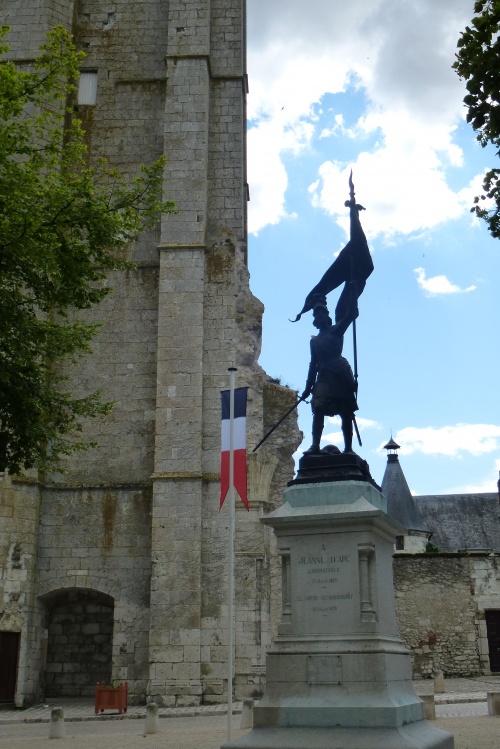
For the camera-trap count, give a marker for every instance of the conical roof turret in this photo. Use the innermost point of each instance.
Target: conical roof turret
(400, 503)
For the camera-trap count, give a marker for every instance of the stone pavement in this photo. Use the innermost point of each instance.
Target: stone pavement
(458, 691)
(461, 709)
(77, 710)
(199, 732)
(182, 733)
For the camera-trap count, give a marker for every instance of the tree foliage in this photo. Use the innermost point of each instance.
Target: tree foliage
(478, 63)
(430, 548)
(63, 226)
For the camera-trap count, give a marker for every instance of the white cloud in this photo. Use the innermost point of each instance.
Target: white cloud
(336, 438)
(402, 182)
(489, 484)
(267, 176)
(399, 54)
(438, 284)
(453, 441)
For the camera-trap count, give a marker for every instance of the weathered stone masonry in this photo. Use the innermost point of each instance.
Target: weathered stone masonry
(440, 605)
(133, 527)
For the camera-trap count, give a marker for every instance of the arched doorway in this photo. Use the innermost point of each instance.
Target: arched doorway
(79, 627)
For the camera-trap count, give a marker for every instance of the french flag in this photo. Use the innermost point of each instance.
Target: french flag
(240, 444)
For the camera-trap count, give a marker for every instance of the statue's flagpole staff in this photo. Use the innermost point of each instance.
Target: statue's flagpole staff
(352, 205)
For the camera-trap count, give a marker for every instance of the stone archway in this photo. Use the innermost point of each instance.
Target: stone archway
(79, 625)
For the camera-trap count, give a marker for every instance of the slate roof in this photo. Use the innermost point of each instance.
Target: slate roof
(400, 502)
(462, 521)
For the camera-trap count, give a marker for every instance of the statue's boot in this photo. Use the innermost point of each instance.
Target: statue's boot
(313, 450)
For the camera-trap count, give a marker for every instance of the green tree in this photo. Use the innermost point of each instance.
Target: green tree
(478, 63)
(430, 548)
(63, 226)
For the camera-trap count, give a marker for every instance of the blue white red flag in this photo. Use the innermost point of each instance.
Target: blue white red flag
(240, 444)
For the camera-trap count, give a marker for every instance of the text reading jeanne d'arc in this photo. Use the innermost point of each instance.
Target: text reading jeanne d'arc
(324, 559)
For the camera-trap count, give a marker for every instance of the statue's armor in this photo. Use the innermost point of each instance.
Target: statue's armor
(334, 389)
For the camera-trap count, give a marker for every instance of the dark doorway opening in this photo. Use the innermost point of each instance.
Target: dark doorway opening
(9, 658)
(79, 645)
(493, 630)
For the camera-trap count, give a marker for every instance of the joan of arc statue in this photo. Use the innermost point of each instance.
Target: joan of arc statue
(330, 378)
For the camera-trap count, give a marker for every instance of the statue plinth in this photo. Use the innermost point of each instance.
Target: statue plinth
(332, 465)
(338, 675)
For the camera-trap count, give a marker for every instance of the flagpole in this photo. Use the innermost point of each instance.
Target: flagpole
(230, 593)
(352, 206)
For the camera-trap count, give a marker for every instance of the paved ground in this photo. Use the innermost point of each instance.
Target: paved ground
(199, 733)
(182, 733)
(462, 710)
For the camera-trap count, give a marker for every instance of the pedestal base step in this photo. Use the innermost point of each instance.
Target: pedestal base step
(421, 735)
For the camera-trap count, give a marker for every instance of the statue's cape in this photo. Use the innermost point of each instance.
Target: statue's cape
(354, 263)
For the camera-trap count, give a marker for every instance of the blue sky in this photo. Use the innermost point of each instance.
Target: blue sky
(370, 87)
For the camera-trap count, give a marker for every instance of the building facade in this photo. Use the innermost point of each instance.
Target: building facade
(447, 601)
(117, 570)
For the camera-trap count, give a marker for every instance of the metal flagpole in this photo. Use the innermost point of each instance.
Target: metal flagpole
(230, 594)
(352, 206)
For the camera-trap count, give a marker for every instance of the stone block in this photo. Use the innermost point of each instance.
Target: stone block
(247, 714)
(429, 706)
(187, 701)
(213, 687)
(56, 725)
(493, 699)
(152, 724)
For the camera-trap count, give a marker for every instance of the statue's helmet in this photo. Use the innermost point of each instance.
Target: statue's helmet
(318, 301)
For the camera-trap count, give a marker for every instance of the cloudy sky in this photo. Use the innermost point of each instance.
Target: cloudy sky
(369, 86)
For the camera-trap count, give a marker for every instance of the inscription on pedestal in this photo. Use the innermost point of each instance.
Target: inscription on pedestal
(324, 579)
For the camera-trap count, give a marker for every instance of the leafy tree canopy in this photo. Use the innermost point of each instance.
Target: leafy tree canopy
(478, 62)
(63, 226)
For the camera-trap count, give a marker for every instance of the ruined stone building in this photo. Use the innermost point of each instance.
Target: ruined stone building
(117, 570)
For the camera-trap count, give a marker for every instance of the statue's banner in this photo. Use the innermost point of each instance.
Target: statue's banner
(351, 267)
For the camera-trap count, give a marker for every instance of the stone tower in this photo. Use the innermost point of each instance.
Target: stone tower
(117, 569)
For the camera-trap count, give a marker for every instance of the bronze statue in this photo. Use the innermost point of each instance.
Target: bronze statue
(330, 378)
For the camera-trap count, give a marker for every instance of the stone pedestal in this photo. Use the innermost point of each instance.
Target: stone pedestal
(338, 675)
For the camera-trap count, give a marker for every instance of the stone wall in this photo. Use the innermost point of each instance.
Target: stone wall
(95, 544)
(438, 610)
(485, 587)
(137, 518)
(19, 519)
